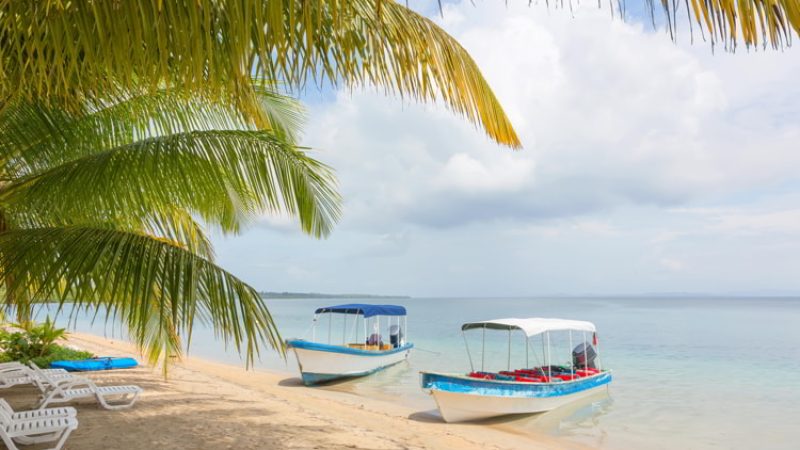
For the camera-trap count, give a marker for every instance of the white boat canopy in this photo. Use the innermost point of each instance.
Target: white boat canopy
(532, 326)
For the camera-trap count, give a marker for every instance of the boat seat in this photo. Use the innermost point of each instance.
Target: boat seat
(529, 379)
(482, 375)
(567, 377)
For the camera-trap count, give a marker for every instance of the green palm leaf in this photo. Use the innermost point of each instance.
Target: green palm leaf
(34, 137)
(103, 209)
(225, 176)
(169, 223)
(158, 289)
(71, 52)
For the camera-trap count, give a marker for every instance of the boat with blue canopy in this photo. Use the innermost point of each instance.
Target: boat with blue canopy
(353, 342)
(535, 387)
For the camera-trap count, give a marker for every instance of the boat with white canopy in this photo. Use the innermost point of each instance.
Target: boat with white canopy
(357, 348)
(534, 388)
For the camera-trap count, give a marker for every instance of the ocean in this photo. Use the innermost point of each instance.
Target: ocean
(692, 373)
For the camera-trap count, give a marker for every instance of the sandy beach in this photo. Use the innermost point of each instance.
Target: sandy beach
(210, 405)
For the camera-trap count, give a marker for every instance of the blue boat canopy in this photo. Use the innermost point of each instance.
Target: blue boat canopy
(364, 309)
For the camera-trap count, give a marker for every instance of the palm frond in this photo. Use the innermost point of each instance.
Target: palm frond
(34, 137)
(83, 50)
(169, 222)
(224, 176)
(752, 22)
(157, 289)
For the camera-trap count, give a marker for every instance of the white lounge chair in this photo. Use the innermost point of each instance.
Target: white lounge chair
(19, 374)
(10, 364)
(15, 366)
(64, 411)
(57, 391)
(35, 431)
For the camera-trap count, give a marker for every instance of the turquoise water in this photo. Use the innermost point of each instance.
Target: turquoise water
(688, 373)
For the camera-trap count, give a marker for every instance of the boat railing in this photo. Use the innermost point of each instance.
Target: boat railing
(375, 348)
(535, 375)
(363, 326)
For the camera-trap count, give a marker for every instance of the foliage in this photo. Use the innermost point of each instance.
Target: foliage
(84, 50)
(56, 353)
(75, 51)
(768, 22)
(99, 210)
(32, 341)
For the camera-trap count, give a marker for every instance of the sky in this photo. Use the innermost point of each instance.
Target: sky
(648, 167)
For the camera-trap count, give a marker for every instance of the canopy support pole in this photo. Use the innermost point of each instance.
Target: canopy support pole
(483, 347)
(599, 360)
(344, 330)
(469, 355)
(549, 362)
(527, 364)
(354, 331)
(572, 363)
(509, 349)
(544, 354)
(330, 325)
(585, 354)
(314, 329)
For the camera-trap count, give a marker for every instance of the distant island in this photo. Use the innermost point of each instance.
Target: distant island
(320, 295)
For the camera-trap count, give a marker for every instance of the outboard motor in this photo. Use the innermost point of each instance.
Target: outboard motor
(396, 336)
(583, 355)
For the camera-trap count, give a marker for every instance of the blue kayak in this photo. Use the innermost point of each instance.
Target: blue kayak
(101, 363)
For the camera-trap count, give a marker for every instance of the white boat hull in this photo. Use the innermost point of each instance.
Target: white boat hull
(327, 363)
(462, 407)
(462, 398)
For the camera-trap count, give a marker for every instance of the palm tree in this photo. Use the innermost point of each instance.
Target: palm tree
(101, 210)
(85, 50)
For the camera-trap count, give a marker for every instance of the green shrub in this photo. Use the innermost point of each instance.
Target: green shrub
(57, 353)
(37, 343)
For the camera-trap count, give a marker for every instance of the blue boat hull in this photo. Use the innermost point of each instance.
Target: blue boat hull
(88, 365)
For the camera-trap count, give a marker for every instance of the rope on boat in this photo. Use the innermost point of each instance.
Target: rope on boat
(427, 351)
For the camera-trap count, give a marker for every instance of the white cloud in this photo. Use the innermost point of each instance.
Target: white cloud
(648, 166)
(774, 221)
(609, 115)
(671, 264)
(499, 173)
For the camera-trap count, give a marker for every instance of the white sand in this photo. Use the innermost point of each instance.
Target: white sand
(210, 405)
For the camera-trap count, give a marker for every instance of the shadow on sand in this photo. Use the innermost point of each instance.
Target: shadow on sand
(430, 416)
(298, 382)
